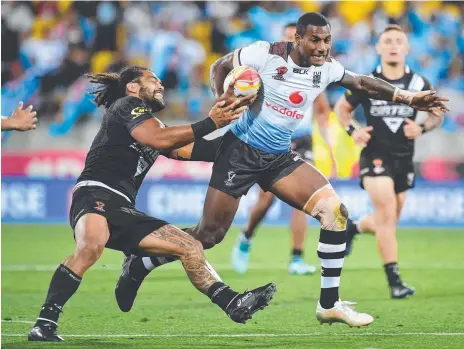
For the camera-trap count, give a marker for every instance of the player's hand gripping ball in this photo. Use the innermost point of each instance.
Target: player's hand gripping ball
(247, 81)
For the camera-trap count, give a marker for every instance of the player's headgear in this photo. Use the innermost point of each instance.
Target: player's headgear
(310, 18)
(114, 84)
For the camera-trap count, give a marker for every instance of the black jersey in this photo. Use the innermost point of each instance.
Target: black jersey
(387, 117)
(115, 158)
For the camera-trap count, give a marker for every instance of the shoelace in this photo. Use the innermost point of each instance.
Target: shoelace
(349, 307)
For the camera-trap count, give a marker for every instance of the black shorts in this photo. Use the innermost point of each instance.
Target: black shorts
(127, 225)
(400, 170)
(304, 147)
(238, 166)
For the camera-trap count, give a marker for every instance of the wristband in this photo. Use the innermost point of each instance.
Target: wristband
(350, 129)
(402, 96)
(424, 130)
(203, 127)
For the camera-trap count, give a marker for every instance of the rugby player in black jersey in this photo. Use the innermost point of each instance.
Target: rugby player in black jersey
(386, 166)
(103, 214)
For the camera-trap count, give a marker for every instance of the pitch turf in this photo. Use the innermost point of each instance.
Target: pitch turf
(170, 313)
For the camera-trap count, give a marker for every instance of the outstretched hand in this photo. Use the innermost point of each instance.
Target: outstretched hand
(223, 114)
(428, 100)
(229, 96)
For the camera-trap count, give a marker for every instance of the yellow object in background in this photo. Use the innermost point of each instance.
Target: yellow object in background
(345, 150)
(393, 9)
(100, 61)
(355, 11)
(309, 6)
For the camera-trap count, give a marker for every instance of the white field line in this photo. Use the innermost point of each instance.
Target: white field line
(19, 321)
(228, 267)
(231, 335)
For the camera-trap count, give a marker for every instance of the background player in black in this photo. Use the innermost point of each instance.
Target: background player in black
(386, 167)
(103, 214)
(301, 186)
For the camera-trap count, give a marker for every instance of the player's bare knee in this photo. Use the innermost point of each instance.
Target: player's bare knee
(211, 235)
(386, 215)
(326, 207)
(88, 252)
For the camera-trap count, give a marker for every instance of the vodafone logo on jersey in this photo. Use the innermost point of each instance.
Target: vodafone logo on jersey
(294, 114)
(297, 99)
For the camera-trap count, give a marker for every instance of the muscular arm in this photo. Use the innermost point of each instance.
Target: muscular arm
(219, 71)
(153, 135)
(374, 87)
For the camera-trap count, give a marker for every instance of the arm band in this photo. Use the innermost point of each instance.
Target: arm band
(203, 127)
(350, 129)
(204, 150)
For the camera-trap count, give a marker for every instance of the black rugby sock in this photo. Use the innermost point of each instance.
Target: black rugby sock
(63, 285)
(393, 274)
(221, 294)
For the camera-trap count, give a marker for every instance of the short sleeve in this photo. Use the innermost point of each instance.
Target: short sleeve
(254, 55)
(336, 71)
(354, 97)
(427, 84)
(133, 112)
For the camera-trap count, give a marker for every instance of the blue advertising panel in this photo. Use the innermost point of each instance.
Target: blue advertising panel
(27, 200)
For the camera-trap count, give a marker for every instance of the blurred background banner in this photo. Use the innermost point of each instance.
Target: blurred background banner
(26, 200)
(47, 47)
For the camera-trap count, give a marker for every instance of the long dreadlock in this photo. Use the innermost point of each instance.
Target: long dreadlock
(113, 85)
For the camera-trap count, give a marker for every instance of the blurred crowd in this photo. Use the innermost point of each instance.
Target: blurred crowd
(48, 46)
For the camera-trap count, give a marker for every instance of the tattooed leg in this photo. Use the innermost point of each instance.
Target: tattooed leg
(171, 240)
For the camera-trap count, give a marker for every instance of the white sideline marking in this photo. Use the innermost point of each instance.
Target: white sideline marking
(228, 267)
(20, 321)
(315, 334)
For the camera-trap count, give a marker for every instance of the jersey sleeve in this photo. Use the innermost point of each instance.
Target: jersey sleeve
(427, 84)
(336, 71)
(133, 112)
(254, 55)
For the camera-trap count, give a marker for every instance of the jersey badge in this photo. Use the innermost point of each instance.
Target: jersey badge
(280, 73)
(136, 112)
(317, 75)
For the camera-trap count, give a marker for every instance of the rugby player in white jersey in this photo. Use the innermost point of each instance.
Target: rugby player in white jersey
(302, 144)
(257, 149)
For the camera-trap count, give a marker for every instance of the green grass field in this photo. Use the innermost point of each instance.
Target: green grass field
(170, 313)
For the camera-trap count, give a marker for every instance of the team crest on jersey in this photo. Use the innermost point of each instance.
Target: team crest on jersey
(297, 99)
(280, 73)
(100, 206)
(378, 166)
(317, 75)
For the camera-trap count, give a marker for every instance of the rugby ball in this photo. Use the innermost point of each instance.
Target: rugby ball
(247, 81)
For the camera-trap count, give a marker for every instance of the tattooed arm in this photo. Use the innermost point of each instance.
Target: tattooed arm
(379, 89)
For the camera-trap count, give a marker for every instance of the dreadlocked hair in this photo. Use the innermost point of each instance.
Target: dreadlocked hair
(113, 85)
